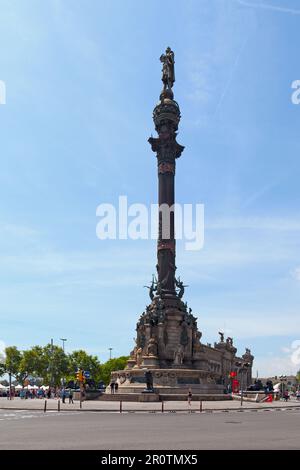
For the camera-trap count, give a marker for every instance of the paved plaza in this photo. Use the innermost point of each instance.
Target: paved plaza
(99, 425)
(265, 429)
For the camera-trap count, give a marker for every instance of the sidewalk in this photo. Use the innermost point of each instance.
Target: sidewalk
(106, 406)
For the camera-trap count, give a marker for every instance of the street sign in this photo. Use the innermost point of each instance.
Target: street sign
(87, 374)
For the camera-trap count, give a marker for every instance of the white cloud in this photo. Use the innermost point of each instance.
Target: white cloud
(232, 70)
(201, 78)
(267, 6)
(285, 349)
(255, 223)
(274, 365)
(2, 349)
(55, 262)
(257, 323)
(18, 231)
(296, 274)
(212, 65)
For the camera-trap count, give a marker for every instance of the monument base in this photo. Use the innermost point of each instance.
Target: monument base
(168, 381)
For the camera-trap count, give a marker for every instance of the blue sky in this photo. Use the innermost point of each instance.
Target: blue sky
(82, 78)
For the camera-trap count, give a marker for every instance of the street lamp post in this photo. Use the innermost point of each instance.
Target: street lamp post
(63, 345)
(63, 342)
(242, 367)
(282, 380)
(9, 375)
(51, 364)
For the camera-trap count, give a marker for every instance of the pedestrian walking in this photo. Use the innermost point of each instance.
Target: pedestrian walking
(71, 397)
(116, 387)
(112, 388)
(189, 397)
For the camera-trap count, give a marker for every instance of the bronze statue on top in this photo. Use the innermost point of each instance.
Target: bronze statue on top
(168, 70)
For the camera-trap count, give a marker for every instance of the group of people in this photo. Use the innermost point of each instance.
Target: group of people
(286, 395)
(66, 394)
(53, 393)
(114, 387)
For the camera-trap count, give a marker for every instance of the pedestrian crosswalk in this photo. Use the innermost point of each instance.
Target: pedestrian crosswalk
(29, 414)
(258, 410)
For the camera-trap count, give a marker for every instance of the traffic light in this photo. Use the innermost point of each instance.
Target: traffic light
(79, 376)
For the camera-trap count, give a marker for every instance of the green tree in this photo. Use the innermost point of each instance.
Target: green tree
(54, 365)
(51, 364)
(117, 363)
(81, 360)
(11, 364)
(32, 362)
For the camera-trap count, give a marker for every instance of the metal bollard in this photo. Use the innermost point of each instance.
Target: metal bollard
(58, 405)
(121, 406)
(45, 406)
(162, 407)
(200, 406)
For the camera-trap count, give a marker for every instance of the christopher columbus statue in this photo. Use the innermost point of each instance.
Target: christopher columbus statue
(168, 72)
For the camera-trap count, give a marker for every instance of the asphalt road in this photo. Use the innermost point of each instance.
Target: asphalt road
(170, 431)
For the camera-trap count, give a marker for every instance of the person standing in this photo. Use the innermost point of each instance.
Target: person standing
(71, 397)
(189, 397)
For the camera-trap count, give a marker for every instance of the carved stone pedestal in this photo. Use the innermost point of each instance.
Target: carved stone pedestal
(169, 381)
(150, 362)
(131, 363)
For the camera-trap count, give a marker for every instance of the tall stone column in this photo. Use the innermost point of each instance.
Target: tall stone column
(172, 326)
(166, 116)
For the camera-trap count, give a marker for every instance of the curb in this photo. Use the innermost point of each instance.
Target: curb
(193, 411)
